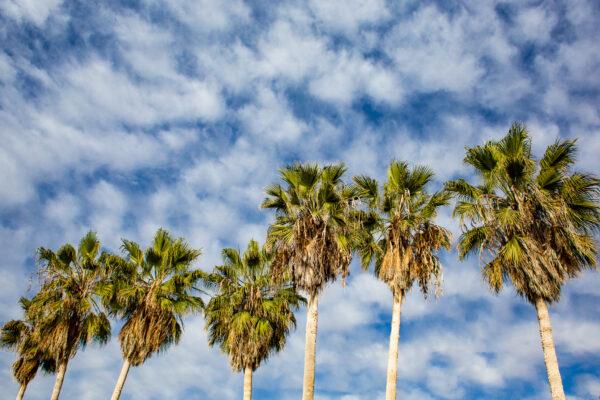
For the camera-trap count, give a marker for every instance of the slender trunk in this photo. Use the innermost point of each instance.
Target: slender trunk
(121, 381)
(248, 383)
(392, 368)
(21, 392)
(310, 348)
(556, 386)
(60, 377)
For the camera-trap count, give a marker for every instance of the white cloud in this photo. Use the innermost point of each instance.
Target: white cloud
(290, 51)
(270, 118)
(118, 139)
(429, 49)
(349, 16)
(534, 23)
(349, 75)
(147, 47)
(109, 206)
(588, 386)
(210, 15)
(44, 147)
(95, 92)
(7, 72)
(63, 209)
(36, 11)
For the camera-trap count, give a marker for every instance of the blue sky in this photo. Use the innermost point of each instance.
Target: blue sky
(125, 116)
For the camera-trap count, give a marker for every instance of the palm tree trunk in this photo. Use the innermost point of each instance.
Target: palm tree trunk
(60, 377)
(556, 386)
(248, 383)
(392, 368)
(310, 348)
(121, 381)
(21, 392)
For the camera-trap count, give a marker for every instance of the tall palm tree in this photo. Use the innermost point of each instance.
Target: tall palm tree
(532, 222)
(19, 336)
(151, 291)
(310, 239)
(250, 316)
(66, 309)
(400, 237)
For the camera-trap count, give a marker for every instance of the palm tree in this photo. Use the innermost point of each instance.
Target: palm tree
(19, 336)
(310, 239)
(66, 308)
(151, 291)
(250, 316)
(400, 237)
(532, 222)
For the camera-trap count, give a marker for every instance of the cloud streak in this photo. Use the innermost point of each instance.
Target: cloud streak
(126, 118)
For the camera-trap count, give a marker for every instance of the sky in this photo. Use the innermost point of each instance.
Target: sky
(126, 116)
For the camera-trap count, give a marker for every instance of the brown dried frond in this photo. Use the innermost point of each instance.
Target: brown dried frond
(25, 368)
(148, 331)
(410, 256)
(314, 255)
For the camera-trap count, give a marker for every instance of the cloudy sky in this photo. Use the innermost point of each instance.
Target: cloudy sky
(125, 116)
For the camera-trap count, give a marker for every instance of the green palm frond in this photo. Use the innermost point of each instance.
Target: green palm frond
(89, 248)
(483, 158)
(367, 188)
(516, 143)
(559, 155)
(398, 173)
(250, 315)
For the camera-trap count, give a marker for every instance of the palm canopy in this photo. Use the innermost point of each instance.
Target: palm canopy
(20, 336)
(250, 316)
(152, 290)
(398, 232)
(531, 221)
(66, 309)
(311, 235)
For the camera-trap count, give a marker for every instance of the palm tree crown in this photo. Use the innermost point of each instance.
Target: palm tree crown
(398, 233)
(250, 316)
(311, 233)
(530, 221)
(66, 309)
(152, 290)
(20, 336)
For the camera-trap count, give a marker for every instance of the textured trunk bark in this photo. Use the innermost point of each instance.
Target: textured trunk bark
(392, 368)
(310, 348)
(60, 377)
(248, 383)
(556, 386)
(21, 392)
(121, 381)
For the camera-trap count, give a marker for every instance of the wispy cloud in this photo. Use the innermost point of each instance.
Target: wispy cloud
(124, 117)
